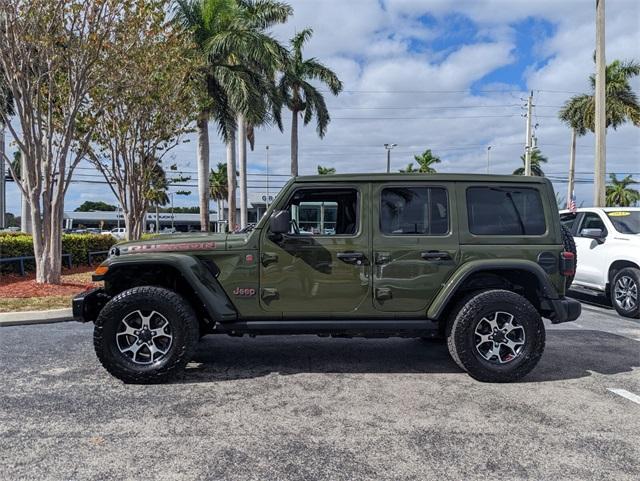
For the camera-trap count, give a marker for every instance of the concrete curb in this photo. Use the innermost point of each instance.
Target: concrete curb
(26, 318)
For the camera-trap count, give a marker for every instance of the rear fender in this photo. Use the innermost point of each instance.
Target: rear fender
(451, 288)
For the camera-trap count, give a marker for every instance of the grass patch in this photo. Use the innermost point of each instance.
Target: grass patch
(13, 304)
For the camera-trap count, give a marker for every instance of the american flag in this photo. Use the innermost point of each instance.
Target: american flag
(572, 202)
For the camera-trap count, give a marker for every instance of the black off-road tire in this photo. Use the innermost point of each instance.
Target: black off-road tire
(633, 274)
(569, 246)
(461, 335)
(183, 323)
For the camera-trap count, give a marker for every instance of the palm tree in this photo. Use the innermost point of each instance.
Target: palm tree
(622, 105)
(156, 193)
(619, 194)
(229, 36)
(425, 161)
(326, 170)
(536, 159)
(303, 98)
(409, 169)
(219, 187)
(266, 107)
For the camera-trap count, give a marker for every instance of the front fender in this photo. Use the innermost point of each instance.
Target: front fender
(194, 272)
(452, 285)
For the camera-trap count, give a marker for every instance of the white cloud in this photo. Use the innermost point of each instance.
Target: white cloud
(368, 43)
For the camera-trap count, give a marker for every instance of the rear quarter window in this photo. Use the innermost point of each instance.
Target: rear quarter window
(508, 211)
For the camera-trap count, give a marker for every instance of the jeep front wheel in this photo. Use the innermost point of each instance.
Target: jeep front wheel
(496, 336)
(145, 334)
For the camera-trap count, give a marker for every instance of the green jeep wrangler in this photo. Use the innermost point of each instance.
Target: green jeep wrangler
(475, 259)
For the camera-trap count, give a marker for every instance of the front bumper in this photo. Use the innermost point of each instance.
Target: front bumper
(87, 305)
(565, 310)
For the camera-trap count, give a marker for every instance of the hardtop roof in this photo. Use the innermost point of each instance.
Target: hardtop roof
(416, 177)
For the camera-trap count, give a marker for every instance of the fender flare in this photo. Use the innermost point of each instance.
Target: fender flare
(198, 276)
(452, 285)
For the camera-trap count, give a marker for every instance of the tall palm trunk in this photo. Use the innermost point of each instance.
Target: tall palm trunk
(231, 180)
(202, 126)
(242, 163)
(294, 143)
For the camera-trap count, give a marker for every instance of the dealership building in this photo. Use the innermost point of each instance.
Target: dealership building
(108, 220)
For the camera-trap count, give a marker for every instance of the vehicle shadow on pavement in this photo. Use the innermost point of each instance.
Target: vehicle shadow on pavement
(570, 354)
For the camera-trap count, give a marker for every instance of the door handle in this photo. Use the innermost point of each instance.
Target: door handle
(356, 258)
(436, 256)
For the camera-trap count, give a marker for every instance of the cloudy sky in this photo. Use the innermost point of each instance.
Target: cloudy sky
(449, 76)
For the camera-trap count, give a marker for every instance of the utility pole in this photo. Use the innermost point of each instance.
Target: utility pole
(267, 201)
(488, 157)
(3, 185)
(389, 147)
(600, 120)
(572, 166)
(528, 146)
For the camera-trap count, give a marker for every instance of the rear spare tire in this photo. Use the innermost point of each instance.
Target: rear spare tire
(496, 336)
(569, 246)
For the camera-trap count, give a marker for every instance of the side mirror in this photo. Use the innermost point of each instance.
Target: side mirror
(596, 234)
(280, 222)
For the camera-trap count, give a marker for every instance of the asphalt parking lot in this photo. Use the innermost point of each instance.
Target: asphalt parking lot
(307, 408)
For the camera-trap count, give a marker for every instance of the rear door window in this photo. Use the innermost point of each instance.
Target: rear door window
(509, 211)
(414, 211)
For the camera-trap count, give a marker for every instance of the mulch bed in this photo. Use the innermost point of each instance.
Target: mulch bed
(74, 280)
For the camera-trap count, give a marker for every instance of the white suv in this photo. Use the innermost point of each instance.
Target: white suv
(608, 245)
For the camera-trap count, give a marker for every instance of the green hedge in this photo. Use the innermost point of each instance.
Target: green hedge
(78, 245)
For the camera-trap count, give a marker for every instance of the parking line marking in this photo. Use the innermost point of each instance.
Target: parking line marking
(626, 394)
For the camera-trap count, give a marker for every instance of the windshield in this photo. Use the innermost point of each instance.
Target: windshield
(625, 221)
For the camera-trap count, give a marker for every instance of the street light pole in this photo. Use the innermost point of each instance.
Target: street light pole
(171, 194)
(389, 147)
(488, 157)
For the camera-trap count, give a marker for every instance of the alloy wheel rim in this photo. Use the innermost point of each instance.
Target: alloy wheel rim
(144, 337)
(499, 338)
(626, 293)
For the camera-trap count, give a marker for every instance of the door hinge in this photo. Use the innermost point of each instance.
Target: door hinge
(383, 293)
(268, 258)
(269, 293)
(382, 258)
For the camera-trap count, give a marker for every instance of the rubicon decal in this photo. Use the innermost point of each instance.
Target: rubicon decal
(179, 246)
(244, 292)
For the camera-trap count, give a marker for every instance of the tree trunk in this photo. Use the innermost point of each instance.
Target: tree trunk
(157, 219)
(134, 222)
(242, 162)
(25, 219)
(231, 180)
(572, 167)
(203, 170)
(294, 143)
(3, 184)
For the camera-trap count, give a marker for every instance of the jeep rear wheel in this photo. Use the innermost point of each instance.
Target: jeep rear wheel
(145, 334)
(496, 336)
